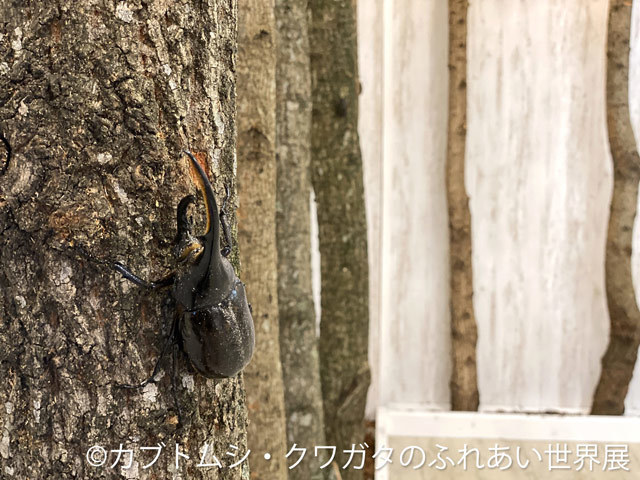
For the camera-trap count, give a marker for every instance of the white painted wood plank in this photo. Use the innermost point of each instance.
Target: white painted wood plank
(415, 333)
(370, 45)
(632, 404)
(511, 426)
(455, 431)
(539, 178)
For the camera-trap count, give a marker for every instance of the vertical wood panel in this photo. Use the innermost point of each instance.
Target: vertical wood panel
(539, 177)
(370, 44)
(415, 330)
(632, 404)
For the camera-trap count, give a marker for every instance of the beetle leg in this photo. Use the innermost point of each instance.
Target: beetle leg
(170, 340)
(225, 225)
(163, 282)
(156, 367)
(174, 384)
(153, 285)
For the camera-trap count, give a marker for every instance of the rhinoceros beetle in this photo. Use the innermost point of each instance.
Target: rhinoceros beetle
(212, 319)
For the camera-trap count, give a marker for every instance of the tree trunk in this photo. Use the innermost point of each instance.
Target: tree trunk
(464, 333)
(298, 339)
(620, 357)
(96, 102)
(257, 232)
(337, 181)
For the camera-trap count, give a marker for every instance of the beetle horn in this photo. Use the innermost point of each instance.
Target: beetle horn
(212, 233)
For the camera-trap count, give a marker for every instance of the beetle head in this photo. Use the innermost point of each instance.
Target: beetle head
(200, 266)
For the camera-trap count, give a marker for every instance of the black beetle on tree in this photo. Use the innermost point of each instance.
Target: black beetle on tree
(212, 319)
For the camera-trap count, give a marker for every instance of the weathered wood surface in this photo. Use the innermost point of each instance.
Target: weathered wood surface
(414, 328)
(539, 180)
(632, 404)
(370, 54)
(619, 359)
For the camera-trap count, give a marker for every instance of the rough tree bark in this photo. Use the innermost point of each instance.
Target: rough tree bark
(338, 184)
(257, 232)
(298, 340)
(464, 333)
(96, 102)
(620, 357)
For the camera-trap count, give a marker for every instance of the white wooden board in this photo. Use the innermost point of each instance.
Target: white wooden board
(414, 331)
(632, 405)
(518, 437)
(539, 180)
(370, 46)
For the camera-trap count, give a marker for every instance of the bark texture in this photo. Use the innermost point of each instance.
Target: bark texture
(96, 101)
(257, 232)
(298, 339)
(620, 357)
(464, 333)
(338, 184)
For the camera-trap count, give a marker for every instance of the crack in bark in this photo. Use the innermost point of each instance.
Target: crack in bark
(7, 159)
